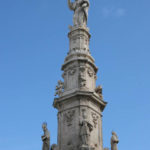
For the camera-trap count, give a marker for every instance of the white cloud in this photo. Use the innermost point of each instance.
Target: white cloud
(120, 12)
(107, 12)
(113, 12)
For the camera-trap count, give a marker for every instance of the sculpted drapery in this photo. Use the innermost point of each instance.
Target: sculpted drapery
(114, 141)
(85, 130)
(45, 137)
(80, 8)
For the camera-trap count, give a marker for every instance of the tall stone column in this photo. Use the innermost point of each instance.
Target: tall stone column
(80, 103)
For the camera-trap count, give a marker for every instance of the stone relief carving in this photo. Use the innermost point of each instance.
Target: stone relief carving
(45, 137)
(72, 71)
(90, 72)
(82, 79)
(99, 91)
(69, 117)
(80, 8)
(114, 141)
(95, 118)
(59, 88)
(85, 129)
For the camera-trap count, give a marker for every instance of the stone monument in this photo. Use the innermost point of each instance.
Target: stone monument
(79, 102)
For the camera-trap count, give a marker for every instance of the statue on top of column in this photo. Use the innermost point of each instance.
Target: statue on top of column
(80, 8)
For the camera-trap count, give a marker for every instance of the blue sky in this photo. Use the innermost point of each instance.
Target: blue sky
(33, 45)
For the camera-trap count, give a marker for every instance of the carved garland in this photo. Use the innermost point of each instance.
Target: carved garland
(69, 117)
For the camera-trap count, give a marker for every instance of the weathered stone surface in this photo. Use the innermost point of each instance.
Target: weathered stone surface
(114, 141)
(86, 148)
(80, 104)
(59, 88)
(80, 8)
(45, 137)
(106, 148)
(71, 109)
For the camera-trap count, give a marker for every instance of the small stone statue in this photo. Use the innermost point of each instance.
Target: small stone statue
(80, 8)
(86, 128)
(114, 141)
(45, 137)
(59, 88)
(99, 91)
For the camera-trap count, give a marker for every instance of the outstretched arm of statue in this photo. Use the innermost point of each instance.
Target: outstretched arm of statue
(71, 5)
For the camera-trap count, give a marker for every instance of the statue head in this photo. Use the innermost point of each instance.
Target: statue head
(44, 126)
(113, 133)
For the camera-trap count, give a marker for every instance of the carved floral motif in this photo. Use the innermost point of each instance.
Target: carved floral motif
(59, 88)
(69, 117)
(95, 118)
(72, 71)
(90, 72)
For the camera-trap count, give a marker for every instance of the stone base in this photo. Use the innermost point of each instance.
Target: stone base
(85, 147)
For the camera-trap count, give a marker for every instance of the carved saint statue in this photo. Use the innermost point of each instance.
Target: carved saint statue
(114, 141)
(86, 128)
(59, 88)
(80, 8)
(45, 137)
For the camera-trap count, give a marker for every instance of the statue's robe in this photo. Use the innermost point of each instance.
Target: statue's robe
(114, 142)
(85, 133)
(85, 9)
(80, 8)
(46, 141)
